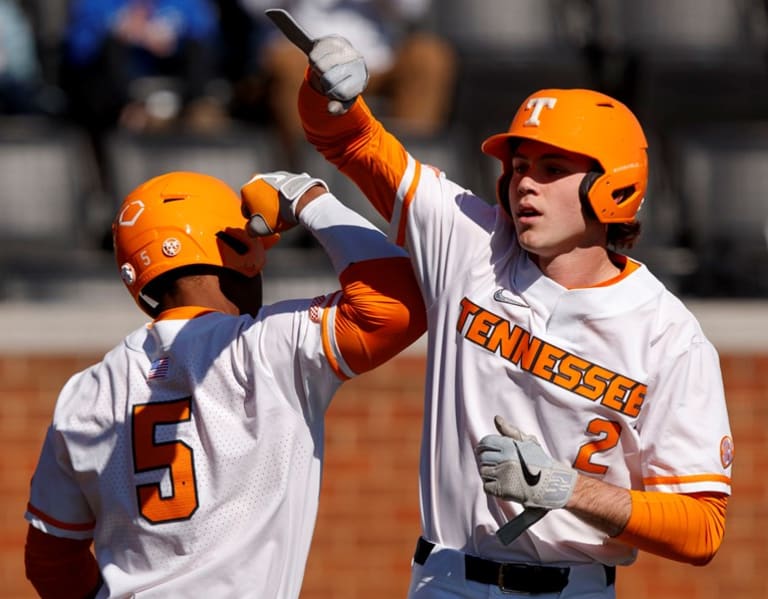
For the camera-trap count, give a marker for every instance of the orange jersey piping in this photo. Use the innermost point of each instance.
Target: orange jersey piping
(58, 523)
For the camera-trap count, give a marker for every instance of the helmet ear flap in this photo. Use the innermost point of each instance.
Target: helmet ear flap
(586, 184)
(502, 191)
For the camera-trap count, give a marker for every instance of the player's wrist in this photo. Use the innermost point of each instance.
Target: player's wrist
(311, 194)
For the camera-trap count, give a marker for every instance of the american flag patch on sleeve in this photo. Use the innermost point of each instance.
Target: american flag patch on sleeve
(159, 369)
(316, 308)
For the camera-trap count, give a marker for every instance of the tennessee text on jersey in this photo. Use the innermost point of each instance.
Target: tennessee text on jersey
(549, 362)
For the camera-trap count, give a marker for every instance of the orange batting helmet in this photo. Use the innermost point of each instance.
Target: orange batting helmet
(588, 123)
(180, 219)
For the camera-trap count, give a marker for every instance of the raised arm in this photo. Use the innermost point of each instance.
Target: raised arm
(381, 311)
(358, 145)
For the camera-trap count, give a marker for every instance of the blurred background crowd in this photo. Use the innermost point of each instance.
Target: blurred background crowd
(98, 95)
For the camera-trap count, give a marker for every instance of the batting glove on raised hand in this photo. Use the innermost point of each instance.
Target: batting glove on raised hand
(513, 466)
(269, 201)
(340, 71)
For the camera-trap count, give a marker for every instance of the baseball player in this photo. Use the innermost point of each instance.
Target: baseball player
(191, 454)
(584, 392)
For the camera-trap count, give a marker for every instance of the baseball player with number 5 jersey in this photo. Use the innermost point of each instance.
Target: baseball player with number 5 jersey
(191, 455)
(568, 391)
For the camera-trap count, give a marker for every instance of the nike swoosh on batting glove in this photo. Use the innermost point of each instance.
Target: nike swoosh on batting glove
(514, 467)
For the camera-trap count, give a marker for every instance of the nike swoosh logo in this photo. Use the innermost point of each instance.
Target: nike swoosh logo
(530, 478)
(500, 295)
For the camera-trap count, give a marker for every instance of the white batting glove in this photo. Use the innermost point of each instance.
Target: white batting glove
(340, 70)
(514, 467)
(269, 200)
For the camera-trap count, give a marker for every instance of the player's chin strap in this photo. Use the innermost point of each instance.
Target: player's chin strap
(520, 523)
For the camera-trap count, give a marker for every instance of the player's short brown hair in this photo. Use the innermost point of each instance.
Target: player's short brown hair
(624, 235)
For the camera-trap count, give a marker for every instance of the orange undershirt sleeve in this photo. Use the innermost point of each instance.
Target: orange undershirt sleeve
(685, 528)
(380, 314)
(60, 568)
(358, 145)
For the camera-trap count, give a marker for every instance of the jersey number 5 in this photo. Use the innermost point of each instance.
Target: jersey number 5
(176, 456)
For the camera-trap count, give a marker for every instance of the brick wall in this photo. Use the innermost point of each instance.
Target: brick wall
(368, 520)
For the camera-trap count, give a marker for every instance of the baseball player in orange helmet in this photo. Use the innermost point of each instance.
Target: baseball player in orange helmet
(568, 392)
(191, 455)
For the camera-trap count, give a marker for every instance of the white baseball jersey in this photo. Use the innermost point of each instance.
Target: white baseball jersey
(192, 453)
(618, 381)
(215, 465)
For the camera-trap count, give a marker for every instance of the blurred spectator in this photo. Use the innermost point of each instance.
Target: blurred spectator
(141, 63)
(22, 89)
(412, 71)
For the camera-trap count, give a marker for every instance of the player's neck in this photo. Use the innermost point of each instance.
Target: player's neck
(579, 268)
(201, 291)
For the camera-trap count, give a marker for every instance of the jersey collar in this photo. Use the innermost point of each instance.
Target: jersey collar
(183, 313)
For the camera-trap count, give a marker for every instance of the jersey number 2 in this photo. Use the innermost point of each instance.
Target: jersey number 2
(176, 456)
(608, 433)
